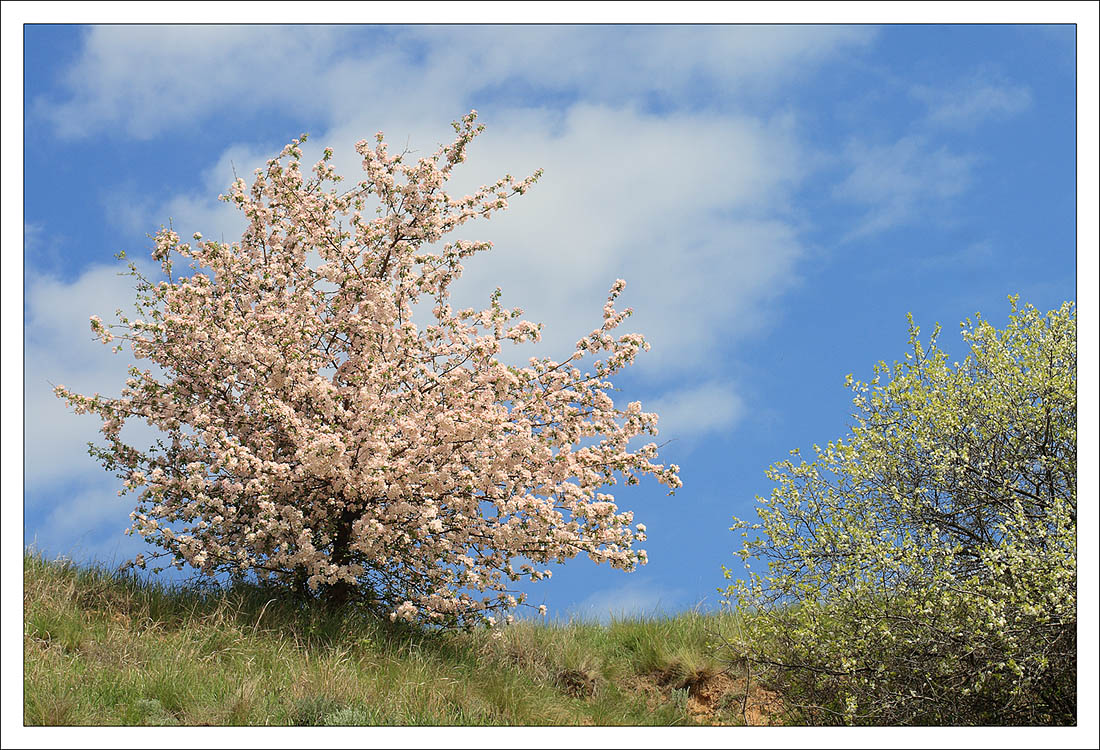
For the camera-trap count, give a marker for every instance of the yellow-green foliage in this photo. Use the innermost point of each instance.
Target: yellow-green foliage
(106, 649)
(923, 570)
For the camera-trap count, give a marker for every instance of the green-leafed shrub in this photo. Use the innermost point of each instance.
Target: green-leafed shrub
(923, 570)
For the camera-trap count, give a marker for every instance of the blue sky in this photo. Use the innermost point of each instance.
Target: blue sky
(777, 198)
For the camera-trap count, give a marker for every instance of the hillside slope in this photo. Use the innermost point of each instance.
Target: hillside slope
(105, 649)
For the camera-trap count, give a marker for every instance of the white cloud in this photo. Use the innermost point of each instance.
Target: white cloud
(898, 182)
(87, 525)
(966, 257)
(197, 211)
(636, 598)
(32, 236)
(146, 79)
(61, 350)
(972, 101)
(72, 503)
(149, 79)
(620, 63)
(696, 410)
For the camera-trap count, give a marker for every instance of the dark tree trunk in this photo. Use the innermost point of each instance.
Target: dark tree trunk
(301, 588)
(341, 592)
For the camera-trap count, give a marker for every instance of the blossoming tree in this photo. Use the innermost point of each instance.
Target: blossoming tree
(314, 434)
(924, 570)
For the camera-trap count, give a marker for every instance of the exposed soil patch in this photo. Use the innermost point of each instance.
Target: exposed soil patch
(716, 699)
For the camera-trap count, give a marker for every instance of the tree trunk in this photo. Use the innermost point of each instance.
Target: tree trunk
(340, 593)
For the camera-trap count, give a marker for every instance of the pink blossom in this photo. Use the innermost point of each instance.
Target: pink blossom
(312, 433)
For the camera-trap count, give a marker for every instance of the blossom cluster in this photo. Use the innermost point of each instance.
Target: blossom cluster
(315, 435)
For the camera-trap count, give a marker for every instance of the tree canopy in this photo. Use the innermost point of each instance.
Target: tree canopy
(317, 436)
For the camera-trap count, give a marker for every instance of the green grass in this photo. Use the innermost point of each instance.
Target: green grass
(102, 648)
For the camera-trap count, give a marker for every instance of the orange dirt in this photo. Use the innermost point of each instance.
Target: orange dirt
(716, 700)
(717, 697)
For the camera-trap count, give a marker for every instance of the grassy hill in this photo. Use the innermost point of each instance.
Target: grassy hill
(106, 649)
